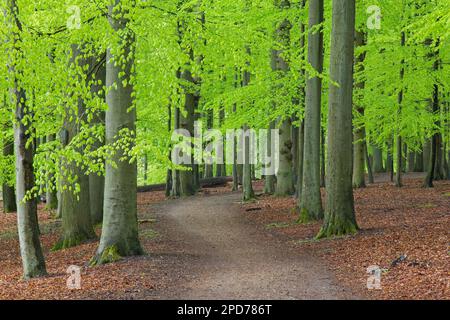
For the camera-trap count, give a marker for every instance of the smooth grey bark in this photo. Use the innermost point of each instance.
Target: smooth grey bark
(301, 130)
(439, 166)
(51, 196)
(411, 161)
(311, 200)
(340, 211)
(358, 159)
(322, 158)
(269, 180)
(301, 144)
(209, 167)
(120, 227)
(399, 146)
(76, 214)
(431, 167)
(359, 132)
(9, 195)
(285, 181)
(377, 160)
(169, 175)
(96, 181)
(426, 154)
(285, 175)
(187, 177)
(418, 162)
(221, 168)
(175, 190)
(33, 262)
(368, 162)
(247, 187)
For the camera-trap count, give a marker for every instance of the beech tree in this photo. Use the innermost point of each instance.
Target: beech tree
(120, 229)
(340, 211)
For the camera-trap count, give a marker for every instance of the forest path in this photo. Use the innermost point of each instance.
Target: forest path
(215, 253)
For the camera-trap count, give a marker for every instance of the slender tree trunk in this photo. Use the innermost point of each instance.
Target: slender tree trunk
(399, 164)
(322, 158)
(9, 196)
(187, 177)
(411, 160)
(221, 168)
(247, 187)
(169, 175)
(120, 227)
(209, 169)
(97, 181)
(368, 161)
(418, 162)
(301, 143)
(398, 176)
(359, 168)
(52, 193)
(377, 160)
(340, 212)
(311, 200)
(359, 132)
(27, 219)
(269, 180)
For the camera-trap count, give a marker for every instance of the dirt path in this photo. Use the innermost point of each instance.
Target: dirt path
(216, 254)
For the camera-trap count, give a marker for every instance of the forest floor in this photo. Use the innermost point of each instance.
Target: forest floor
(212, 246)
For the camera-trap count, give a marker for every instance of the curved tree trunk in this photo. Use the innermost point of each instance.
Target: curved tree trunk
(340, 211)
(120, 227)
(27, 219)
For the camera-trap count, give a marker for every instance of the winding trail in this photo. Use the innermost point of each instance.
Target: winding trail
(217, 254)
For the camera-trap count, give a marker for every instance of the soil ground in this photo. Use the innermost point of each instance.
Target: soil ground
(213, 247)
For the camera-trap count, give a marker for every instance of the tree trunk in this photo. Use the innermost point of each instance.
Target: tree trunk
(269, 180)
(411, 161)
(285, 180)
(418, 162)
(377, 160)
(247, 188)
(359, 169)
(76, 213)
(368, 161)
(187, 177)
(399, 164)
(322, 158)
(311, 200)
(27, 219)
(436, 139)
(209, 167)
(97, 181)
(120, 227)
(398, 176)
(301, 143)
(9, 196)
(221, 168)
(340, 212)
(52, 193)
